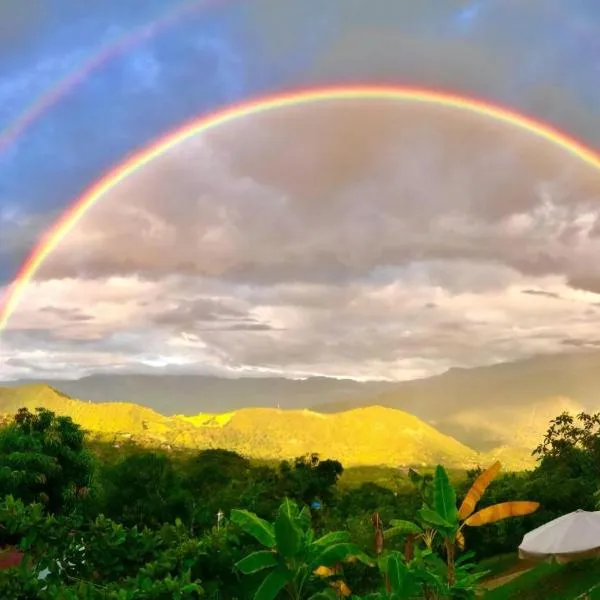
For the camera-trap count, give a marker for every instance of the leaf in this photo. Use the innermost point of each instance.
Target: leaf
(460, 540)
(304, 518)
(504, 510)
(400, 580)
(477, 490)
(431, 517)
(395, 573)
(258, 528)
(400, 527)
(444, 496)
(338, 553)
(272, 584)
(288, 535)
(464, 558)
(257, 561)
(290, 508)
(334, 537)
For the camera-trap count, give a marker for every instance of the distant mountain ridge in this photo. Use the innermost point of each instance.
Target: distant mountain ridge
(366, 436)
(502, 408)
(570, 375)
(191, 394)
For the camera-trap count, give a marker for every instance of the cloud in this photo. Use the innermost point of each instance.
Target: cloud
(313, 194)
(542, 293)
(370, 240)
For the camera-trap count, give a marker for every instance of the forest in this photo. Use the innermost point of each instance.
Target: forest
(86, 520)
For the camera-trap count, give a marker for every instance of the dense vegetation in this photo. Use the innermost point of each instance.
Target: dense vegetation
(82, 520)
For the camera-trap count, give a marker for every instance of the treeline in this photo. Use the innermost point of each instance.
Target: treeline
(97, 523)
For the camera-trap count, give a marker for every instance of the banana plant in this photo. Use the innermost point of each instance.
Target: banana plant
(401, 581)
(443, 518)
(293, 560)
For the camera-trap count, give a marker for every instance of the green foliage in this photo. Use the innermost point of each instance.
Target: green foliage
(145, 489)
(43, 459)
(310, 478)
(293, 554)
(147, 526)
(444, 498)
(101, 557)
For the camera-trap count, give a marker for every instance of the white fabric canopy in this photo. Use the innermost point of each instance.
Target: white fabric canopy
(570, 537)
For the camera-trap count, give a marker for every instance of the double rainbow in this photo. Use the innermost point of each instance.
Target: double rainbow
(53, 236)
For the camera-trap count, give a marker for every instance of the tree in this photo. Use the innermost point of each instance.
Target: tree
(146, 489)
(568, 435)
(311, 478)
(43, 458)
(215, 479)
(215, 468)
(568, 464)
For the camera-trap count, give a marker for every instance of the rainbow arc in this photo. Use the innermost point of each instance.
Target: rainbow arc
(69, 219)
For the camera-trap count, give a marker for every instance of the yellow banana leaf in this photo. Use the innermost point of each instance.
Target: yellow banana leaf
(323, 572)
(504, 510)
(477, 489)
(460, 540)
(341, 587)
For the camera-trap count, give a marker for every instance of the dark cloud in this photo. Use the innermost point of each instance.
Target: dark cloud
(589, 282)
(543, 293)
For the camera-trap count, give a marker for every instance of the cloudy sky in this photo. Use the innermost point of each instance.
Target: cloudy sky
(370, 239)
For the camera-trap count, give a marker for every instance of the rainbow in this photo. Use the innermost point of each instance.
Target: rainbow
(97, 191)
(49, 98)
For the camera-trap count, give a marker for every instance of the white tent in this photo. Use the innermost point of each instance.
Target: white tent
(570, 537)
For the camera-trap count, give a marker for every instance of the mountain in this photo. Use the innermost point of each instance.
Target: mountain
(506, 405)
(514, 384)
(503, 408)
(366, 436)
(502, 426)
(433, 399)
(190, 394)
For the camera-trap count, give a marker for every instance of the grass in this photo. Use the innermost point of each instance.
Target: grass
(551, 582)
(499, 565)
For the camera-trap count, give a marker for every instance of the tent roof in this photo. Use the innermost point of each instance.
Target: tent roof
(576, 533)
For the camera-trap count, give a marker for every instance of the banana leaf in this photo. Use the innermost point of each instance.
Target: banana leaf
(477, 490)
(501, 511)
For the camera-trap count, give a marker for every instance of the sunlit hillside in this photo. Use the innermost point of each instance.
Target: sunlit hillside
(104, 417)
(208, 420)
(366, 436)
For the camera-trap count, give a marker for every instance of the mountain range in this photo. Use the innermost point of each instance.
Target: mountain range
(373, 435)
(461, 416)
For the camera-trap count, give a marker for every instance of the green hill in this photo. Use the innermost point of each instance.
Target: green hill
(366, 436)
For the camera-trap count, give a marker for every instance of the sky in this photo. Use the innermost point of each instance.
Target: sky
(365, 239)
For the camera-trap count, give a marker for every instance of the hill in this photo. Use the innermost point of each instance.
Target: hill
(114, 417)
(367, 436)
